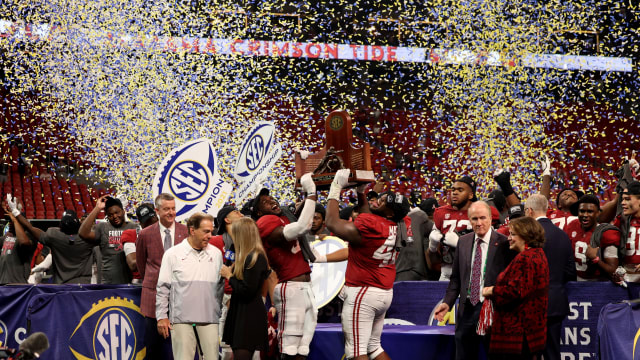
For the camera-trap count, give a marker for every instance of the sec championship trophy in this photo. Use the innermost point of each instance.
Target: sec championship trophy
(338, 153)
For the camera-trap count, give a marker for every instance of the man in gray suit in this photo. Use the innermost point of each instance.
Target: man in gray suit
(480, 257)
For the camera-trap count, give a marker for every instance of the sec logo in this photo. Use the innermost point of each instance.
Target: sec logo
(327, 278)
(258, 155)
(188, 180)
(190, 173)
(255, 149)
(114, 334)
(114, 337)
(255, 152)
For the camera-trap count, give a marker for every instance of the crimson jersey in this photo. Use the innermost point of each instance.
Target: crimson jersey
(504, 230)
(373, 263)
(447, 218)
(286, 259)
(581, 240)
(560, 218)
(632, 247)
(130, 236)
(219, 243)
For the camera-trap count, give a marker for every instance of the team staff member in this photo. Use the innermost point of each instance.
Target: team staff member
(151, 244)
(293, 295)
(373, 239)
(187, 300)
(480, 257)
(107, 235)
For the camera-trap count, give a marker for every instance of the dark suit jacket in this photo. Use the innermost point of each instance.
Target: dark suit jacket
(498, 257)
(562, 267)
(149, 251)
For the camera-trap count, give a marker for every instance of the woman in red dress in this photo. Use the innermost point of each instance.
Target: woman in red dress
(520, 296)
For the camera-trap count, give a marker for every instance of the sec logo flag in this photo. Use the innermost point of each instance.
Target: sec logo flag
(327, 278)
(190, 174)
(258, 155)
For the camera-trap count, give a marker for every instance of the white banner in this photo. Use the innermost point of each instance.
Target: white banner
(258, 155)
(313, 50)
(190, 173)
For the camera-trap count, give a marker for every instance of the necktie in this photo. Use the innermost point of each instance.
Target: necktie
(167, 239)
(476, 274)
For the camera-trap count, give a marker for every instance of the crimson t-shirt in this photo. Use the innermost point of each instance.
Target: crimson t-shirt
(285, 258)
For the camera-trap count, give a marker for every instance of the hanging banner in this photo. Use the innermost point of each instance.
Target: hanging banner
(190, 174)
(258, 155)
(84, 325)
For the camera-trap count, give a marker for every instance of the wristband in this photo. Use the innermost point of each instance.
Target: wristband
(15, 212)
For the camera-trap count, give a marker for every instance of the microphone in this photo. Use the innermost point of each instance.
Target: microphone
(33, 346)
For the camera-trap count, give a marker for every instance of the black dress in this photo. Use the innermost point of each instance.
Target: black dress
(246, 324)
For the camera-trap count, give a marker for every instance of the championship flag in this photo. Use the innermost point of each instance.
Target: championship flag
(258, 154)
(190, 173)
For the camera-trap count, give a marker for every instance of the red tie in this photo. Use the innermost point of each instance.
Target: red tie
(476, 273)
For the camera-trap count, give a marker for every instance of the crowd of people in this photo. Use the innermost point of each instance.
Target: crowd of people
(213, 283)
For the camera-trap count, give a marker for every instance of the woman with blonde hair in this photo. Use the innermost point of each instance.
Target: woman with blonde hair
(246, 327)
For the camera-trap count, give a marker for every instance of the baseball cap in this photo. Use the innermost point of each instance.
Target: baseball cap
(145, 212)
(516, 211)
(222, 214)
(69, 222)
(472, 184)
(633, 188)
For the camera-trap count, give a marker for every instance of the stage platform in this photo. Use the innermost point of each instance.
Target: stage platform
(399, 341)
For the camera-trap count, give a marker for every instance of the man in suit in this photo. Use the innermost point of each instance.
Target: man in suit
(480, 257)
(559, 251)
(151, 244)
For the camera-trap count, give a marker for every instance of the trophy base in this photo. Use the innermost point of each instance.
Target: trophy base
(323, 181)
